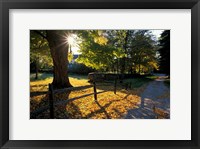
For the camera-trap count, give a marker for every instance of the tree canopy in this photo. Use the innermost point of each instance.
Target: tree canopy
(123, 51)
(116, 51)
(40, 55)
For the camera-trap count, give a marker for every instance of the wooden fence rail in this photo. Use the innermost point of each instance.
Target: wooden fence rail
(78, 97)
(72, 89)
(52, 103)
(52, 92)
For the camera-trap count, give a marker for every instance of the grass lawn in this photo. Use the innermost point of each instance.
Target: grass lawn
(138, 82)
(109, 105)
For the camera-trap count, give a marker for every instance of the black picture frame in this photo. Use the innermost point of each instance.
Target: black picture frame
(5, 5)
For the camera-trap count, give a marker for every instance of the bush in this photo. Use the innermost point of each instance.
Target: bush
(79, 68)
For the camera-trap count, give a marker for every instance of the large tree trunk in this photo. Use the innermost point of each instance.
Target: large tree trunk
(59, 53)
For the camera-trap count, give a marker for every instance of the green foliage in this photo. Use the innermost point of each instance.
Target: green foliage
(118, 50)
(137, 82)
(95, 51)
(70, 57)
(125, 51)
(143, 51)
(79, 69)
(39, 50)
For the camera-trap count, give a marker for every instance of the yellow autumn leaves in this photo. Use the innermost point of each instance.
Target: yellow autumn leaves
(101, 40)
(108, 105)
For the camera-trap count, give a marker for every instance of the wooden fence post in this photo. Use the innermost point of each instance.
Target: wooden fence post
(126, 86)
(51, 101)
(95, 91)
(130, 85)
(115, 86)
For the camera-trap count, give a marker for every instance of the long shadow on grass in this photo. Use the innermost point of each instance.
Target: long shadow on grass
(75, 113)
(102, 109)
(143, 112)
(66, 110)
(37, 106)
(140, 113)
(33, 94)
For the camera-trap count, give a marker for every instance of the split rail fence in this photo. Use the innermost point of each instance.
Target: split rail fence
(52, 103)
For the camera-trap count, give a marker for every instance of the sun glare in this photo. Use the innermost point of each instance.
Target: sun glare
(71, 39)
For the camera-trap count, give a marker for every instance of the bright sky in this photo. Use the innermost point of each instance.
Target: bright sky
(154, 32)
(75, 50)
(157, 32)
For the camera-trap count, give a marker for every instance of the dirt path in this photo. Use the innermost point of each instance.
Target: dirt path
(155, 96)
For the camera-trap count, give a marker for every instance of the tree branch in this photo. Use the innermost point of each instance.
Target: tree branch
(39, 33)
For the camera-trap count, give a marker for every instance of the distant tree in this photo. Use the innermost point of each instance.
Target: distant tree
(143, 51)
(119, 40)
(119, 50)
(164, 50)
(135, 50)
(40, 55)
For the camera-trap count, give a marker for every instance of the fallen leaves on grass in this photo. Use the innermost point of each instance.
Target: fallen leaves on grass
(108, 105)
(161, 113)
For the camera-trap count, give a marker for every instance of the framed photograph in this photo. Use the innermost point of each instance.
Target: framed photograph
(114, 74)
